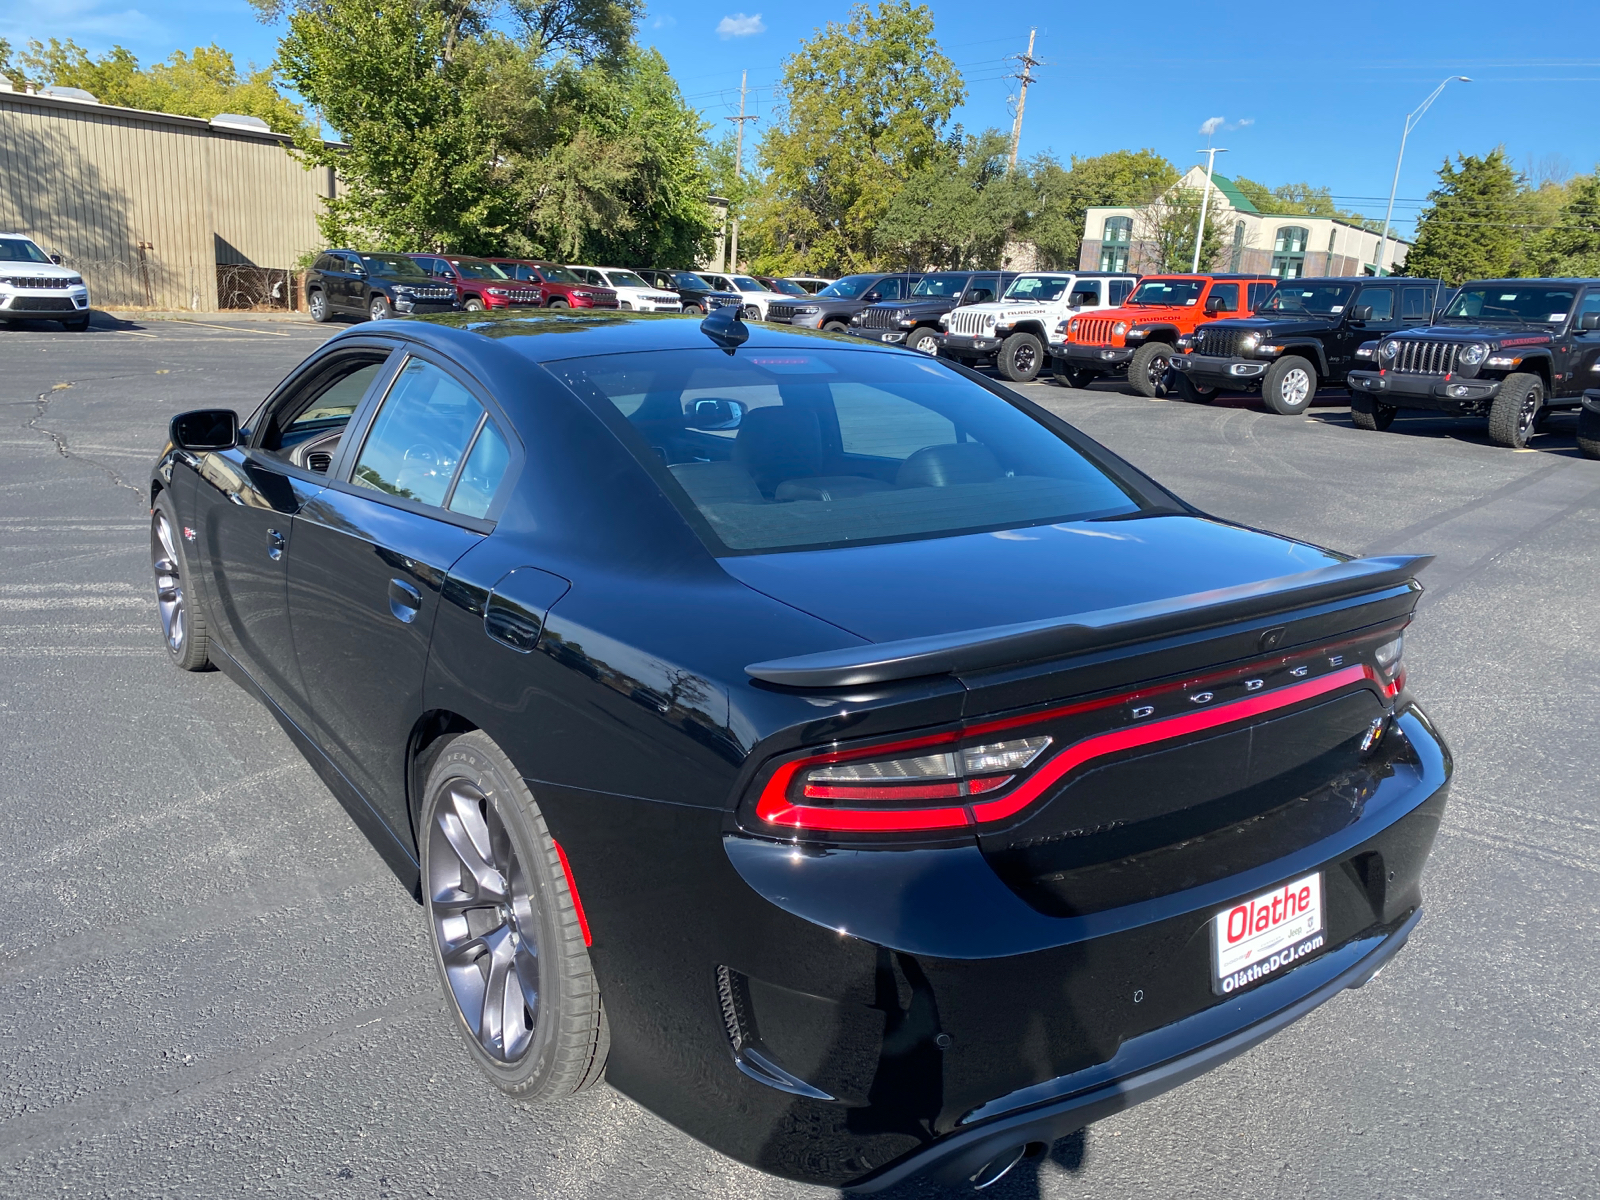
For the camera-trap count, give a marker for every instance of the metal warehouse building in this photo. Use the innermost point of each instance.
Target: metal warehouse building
(156, 210)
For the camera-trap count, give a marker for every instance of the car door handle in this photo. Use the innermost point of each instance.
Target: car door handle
(276, 543)
(404, 601)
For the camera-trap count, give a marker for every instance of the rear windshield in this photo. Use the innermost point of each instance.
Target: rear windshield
(1176, 292)
(1037, 287)
(768, 450)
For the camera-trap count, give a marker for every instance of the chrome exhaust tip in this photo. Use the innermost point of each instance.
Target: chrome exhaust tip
(1001, 1165)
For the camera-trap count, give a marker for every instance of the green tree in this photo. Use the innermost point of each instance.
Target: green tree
(1470, 229)
(201, 84)
(1570, 244)
(863, 106)
(1299, 199)
(959, 209)
(1172, 221)
(1121, 178)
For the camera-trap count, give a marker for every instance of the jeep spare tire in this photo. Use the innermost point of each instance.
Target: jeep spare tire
(1021, 355)
(1289, 386)
(1147, 370)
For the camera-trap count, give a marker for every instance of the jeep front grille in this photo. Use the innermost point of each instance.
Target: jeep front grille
(780, 312)
(1220, 343)
(968, 322)
(879, 318)
(44, 283)
(1426, 358)
(1092, 331)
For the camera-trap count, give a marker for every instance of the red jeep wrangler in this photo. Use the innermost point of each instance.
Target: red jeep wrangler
(1139, 337)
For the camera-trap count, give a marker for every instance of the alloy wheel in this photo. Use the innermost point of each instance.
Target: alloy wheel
(1528, 417)
(319, 306)
(169, 584)
(1295, 388)
(926, 343)
(1158, 373)
(1023, 359)
(484, 920)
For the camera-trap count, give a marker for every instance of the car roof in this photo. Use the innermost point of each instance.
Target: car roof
(1542, 279)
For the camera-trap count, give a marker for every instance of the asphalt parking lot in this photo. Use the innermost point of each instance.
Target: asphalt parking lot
(210, 985)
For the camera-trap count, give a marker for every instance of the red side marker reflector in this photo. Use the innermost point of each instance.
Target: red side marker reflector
(572, 886)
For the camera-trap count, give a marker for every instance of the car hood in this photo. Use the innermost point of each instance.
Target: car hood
(35, 270)
(974, 581)
(1280, 326)
(1495, 335)
(1143, 314)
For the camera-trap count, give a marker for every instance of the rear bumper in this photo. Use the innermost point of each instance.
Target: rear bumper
(1221, 372)
(852, 1017)
(1442, 392)
(1147, 1066)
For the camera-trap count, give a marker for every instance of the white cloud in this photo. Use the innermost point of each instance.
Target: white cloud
(1213, 124)
(739, 25)
(664, 22)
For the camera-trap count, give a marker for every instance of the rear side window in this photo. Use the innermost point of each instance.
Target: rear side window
(419, 436)
(324, 263)
(770, 450)
(481, 474)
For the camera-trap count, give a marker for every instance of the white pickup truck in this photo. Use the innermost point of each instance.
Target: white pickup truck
(1012, 332)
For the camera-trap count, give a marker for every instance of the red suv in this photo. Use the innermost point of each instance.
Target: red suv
(560, 287)
(479, 283)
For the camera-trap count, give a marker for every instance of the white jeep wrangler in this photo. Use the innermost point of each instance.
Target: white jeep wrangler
(35, 287)
(1012, 332)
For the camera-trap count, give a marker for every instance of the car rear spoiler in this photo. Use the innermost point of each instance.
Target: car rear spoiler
(1000, 645)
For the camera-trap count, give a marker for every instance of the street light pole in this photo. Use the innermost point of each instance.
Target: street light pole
(1411, 123)
(1211, 153)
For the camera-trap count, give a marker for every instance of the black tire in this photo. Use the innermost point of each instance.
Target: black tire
(76, 325)
(835, 327)
(1289, 386)
(924, 340)
(1147, 369)
(1515, 410)
(555, 1046)
(317, 303)
(1021, 357)
(183, 618)
(688, 308)
(378, 308)
(1072, 377)
(1367, 413)
(1589, 433)
(1187, 390)
(473, 304)
(749, 312)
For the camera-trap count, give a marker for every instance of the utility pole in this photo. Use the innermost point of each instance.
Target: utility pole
(1028, 62)
(738, 169)
(1205, 202)
(1411, 123)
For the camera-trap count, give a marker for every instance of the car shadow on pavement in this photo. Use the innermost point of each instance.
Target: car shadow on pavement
(1023, 1182)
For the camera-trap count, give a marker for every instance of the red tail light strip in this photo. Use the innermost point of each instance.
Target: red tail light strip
(775, 808)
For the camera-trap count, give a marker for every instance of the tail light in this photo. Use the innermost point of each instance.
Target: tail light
(988, 771)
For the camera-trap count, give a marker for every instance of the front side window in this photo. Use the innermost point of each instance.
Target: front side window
(1175, 293)
(1319, 300)
(1038, 287)
(1416, 303)
(1511, 302)
(1380, 300)
(1085, 294)
(313, 417)
(890, 289)
(419, 436)
(769, 450)
(21, 250)
(1224, 297)
(1259, 292)
(983, 289)
(1587, 307)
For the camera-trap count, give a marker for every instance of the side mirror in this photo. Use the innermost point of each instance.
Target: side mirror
(872, 297)
(1589, 322)
(711, 415)
(56, 258)
(1218, 304)
(205, 429)
(1361, 312)
(1433, 318)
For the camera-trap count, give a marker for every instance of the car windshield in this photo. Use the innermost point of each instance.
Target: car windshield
(688, 279)
(21, 250)
(941, 285)
(1175, 292)
(767, 450)
(1037, 287)
(788, 287)
(850, 286)
(623, 279)
(1511, 302)
(745, 284)
(481, 270)
(1317, 300)
(392, 266)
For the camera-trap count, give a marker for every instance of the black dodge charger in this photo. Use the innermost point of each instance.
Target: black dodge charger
(832, 750)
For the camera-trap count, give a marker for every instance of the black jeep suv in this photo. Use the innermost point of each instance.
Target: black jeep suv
(1512, 350)
(914, 321)
(1304, 334)
(834, 305)
(373, 286)
(697, 295)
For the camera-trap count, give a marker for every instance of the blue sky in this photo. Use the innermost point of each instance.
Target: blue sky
(1324, 90)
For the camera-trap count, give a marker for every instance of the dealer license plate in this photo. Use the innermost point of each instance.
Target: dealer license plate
(1267, 934)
